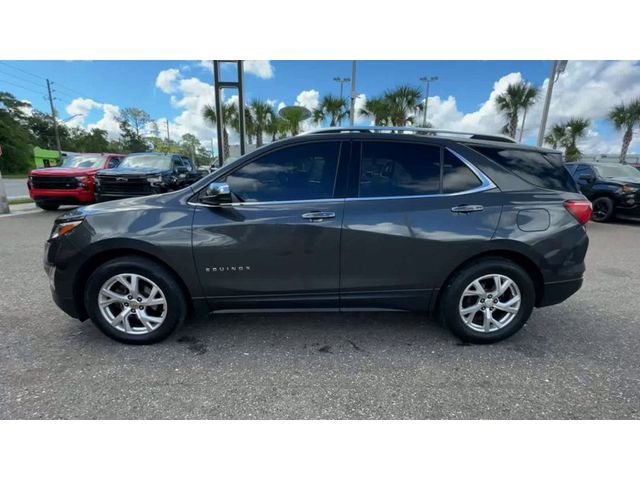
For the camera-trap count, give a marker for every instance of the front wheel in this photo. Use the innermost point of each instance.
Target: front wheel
(135, 300)
(487, 301)
(603, 209)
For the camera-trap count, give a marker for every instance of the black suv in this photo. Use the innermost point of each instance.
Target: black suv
(478, 231)
(146, 174)
(614, 189)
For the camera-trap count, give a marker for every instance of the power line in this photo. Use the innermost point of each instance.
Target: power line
(23, 87)
(21, 79)
(22, 70)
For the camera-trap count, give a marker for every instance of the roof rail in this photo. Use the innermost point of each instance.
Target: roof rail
(427, 131)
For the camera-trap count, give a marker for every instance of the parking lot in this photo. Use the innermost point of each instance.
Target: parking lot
(576, 360)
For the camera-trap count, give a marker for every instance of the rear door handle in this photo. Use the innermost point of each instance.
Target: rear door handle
(318, 216)
(467, 208)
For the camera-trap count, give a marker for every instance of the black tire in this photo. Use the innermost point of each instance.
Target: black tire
(603, 209)
(177, 308)
(448, 308)
(47, 206)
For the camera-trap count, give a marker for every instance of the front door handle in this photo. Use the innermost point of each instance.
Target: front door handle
(318, 216)
(467, 208)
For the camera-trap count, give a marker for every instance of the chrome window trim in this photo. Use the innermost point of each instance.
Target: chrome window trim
(486, 184)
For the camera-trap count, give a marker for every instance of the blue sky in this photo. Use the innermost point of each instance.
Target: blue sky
(461, 98)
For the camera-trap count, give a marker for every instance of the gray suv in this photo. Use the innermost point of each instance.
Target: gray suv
(474, 229)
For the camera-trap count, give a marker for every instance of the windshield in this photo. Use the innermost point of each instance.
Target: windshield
(147, 161)
(82, 162)
(611, 171)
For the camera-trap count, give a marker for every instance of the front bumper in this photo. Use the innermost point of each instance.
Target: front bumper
(76, 196)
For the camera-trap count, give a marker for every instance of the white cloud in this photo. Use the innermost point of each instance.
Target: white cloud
(80, 108)
(259, 68)
(166, 80)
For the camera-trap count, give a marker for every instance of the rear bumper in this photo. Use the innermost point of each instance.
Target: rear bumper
(76, 196)
(557, 292)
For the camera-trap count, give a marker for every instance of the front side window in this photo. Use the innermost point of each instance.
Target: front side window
(147, 161)
(301, 172)
(393, 169)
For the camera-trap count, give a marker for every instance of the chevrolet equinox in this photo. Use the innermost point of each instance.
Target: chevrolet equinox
(475, 229)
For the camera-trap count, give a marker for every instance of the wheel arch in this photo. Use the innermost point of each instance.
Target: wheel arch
(515, 256)
(102, 256)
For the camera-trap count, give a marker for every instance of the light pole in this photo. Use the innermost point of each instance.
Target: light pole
(427, 81)
(557, 67)
(341, 81)
(352, 110)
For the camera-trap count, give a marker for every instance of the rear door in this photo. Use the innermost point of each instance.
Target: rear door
(415, 211)
(278, 244)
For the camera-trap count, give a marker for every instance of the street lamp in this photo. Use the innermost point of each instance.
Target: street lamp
(557, 67)
(341, 81)
(427, 81)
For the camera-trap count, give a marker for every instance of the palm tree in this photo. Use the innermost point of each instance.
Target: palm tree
(293, 117)
(528, 99)
(377, 108)
(576, 128)
(625, 116)
(402, 104)
(557, 135)
(276, 126)
(262, 113)
(518, 95)
(209, 114)
(249, 120)
(334, 108)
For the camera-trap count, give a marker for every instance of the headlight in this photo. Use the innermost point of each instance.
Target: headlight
(629, 189)
(157, 179)
(61, 229)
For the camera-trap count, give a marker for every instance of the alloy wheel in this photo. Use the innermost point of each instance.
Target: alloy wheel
(600, 210)
(133, 304)
(490, 303)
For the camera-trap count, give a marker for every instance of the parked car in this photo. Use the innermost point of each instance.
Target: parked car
(477, 231)
(614, 189)
(71, 183)
(146, 174)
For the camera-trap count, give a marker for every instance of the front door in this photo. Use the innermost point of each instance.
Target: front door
(278, 244)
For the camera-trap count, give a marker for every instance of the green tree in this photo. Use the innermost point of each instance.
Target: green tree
(293, 118)
(625, 117)
(402, 103)
(131, 140)
(41, 125)
(209, 114)
(16, 139)
(136, 118)
(517, 96)
(576, 129)
(189, 145)
(262, 113)
(377, 108)
(276, 126)
(557, 135)
(333, 108)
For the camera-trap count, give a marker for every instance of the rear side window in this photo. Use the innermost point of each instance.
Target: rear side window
(390, 169)
(456, 176)
(537, 168)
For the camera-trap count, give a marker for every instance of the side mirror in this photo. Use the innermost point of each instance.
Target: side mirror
(182, 170)
(216, 193)
(587, 177)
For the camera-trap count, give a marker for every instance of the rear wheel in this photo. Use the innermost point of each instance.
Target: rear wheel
(47, 205)
(488, 300)
(603, 209)
(135, 300)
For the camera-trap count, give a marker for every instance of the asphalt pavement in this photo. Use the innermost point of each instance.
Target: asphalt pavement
(577, 360)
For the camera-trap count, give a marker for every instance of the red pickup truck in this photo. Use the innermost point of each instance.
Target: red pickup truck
(72, 182)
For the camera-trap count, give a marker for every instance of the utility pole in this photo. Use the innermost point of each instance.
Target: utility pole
(168, 136)
(4, 201)
(55, 122)
(352, 110)
(341, 81)
(427, 81)
(557, 67)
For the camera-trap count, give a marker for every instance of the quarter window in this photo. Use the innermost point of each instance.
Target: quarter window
(390, 169)
(301, 172)
(456, 176)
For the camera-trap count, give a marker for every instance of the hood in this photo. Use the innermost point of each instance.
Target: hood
(126, 171)
(631, 181)
(63, 172)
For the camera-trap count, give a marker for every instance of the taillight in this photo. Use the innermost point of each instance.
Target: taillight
(580, 209)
